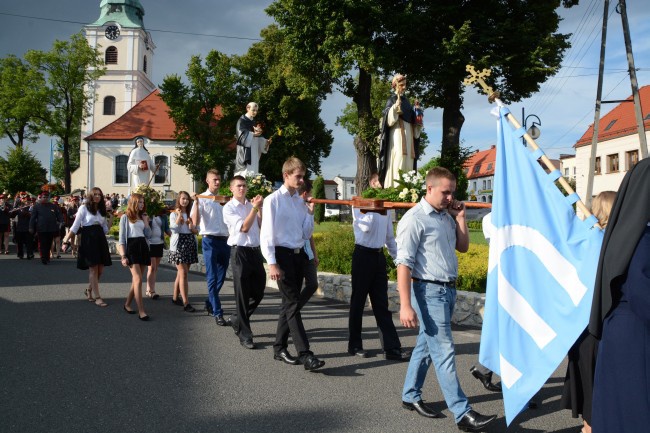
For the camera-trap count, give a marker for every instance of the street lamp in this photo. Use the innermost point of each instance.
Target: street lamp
(533, 131)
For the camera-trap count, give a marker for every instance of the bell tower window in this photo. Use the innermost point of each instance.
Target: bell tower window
(109, 105)
(111, 56)
(144, 64)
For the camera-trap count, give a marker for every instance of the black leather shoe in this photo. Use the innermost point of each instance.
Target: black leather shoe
(486, 380)
(248, 344)
(474, 421)
(311, 363)
(397, 355)
(221, 321)
(177, 301)
(422, 409)
(358, 352)
(284, 356)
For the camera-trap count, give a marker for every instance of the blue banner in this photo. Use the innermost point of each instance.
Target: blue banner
(541, 272)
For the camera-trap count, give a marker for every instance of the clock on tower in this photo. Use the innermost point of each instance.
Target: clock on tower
(112, 32)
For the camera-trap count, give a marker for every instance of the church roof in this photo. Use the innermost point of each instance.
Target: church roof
(621, 121)
(127, 13)
(148, 118)
(481, 164)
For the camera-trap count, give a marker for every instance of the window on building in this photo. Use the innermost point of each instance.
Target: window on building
(597, 165)
(608, 127)
(477, 168)
(484, 184)
(111, 56)
(144, 64)
(574, 171)
(162, 175)
(647, 117)
(109, 105)
(490, 165)
(612, 163)
(352, 190)
(121, 172)
(489, 184)
(566, 172)
(631, 159)
(474, 187)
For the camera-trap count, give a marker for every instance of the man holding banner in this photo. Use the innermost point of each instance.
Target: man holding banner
(428, 237)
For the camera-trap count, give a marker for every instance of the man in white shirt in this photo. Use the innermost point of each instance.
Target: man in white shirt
(243, 219)
(288, 222)
(207, 214)
(372, 231)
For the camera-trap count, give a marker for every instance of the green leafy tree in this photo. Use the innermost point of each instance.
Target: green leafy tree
(20, 170)
(339, 45)
(318, 191)
(58, 170)
(70, 69)
(205, 113)
(291, 114)
(22, 100)
(518, 40)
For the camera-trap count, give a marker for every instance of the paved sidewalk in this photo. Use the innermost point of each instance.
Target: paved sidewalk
(69, 366)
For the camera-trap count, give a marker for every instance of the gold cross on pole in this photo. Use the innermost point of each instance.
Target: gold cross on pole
(477, 77)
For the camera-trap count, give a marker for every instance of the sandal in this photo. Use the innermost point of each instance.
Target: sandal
(100, 302)
(152, 295)
(89, 295)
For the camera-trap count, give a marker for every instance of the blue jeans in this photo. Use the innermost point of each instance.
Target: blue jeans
(434, 305)
(216, 255)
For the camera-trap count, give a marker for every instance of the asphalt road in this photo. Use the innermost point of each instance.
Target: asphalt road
(69, 366)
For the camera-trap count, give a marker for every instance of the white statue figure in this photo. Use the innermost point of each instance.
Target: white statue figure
(140, 165)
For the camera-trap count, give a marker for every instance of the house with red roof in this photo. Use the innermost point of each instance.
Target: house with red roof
(127, 105)
(479, 169)
(618, 148)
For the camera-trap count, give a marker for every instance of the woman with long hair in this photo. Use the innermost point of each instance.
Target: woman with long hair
(90, 221)
(134, 249)
(159, 228)
(182, 247)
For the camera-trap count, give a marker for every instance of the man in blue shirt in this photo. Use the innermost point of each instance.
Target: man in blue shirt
(427, 237)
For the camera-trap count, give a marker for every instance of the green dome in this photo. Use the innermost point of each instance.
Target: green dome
(127, 13)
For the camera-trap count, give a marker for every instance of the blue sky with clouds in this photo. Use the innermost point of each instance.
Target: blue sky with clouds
(565, 103)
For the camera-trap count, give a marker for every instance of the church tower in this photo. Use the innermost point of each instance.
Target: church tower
(127, 49)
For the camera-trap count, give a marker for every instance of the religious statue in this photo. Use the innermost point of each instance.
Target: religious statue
(140, 165)
(250, 142)
(400, 134)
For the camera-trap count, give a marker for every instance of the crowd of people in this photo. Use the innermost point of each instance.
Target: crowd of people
(246, 231)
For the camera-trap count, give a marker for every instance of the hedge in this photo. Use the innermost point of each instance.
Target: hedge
(335, 254)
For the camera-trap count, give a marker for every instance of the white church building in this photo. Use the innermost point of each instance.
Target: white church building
(127, 105)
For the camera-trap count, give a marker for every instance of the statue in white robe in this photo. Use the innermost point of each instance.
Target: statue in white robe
(139, 165)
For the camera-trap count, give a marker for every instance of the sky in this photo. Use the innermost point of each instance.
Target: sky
(564, 105)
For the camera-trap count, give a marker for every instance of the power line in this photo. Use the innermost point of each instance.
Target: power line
(148, 29)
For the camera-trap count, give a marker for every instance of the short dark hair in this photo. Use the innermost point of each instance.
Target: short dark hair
(305, 186)
(439, 173)
(237, 177)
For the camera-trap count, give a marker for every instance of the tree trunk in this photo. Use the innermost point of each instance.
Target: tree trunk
(366, 159)
(452, 122)
(66, 165)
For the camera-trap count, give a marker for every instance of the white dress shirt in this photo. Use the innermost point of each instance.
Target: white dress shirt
(286, 223)
(211, 216)
(234, 214)
(374, 230)
(84, 218)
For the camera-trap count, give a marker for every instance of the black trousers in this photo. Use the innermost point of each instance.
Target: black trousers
(25, 243)
(369, 278)
(44, 244)
(290, 320)
(249, 279)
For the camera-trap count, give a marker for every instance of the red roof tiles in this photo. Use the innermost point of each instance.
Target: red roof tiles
(481, 163)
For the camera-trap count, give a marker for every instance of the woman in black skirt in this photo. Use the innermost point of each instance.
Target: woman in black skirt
(182, 247)
(579, 380)
(90, 221)
(134, 249)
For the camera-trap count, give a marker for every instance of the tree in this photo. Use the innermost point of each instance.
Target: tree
(204, 112)
(518, 40)
(318, 191)
(22, 100)
(339, 44)
(57, 164)
(291, 115)
(70, 68)
(20, 170)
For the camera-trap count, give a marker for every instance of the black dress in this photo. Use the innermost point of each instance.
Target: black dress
(579, 381)
(93, 250)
